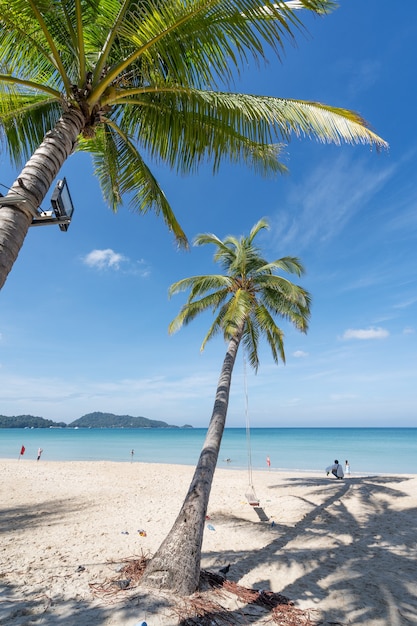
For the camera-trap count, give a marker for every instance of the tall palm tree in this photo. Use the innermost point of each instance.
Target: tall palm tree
(132, 80)
(246, 298)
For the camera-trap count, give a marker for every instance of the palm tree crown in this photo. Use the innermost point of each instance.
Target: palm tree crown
(138, 81)
(141, 76)
(247, 297)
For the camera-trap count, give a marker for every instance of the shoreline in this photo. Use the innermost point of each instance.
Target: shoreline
(344, 548)
(222, 466)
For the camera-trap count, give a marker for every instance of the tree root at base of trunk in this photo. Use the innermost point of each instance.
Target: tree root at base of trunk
(218, 602)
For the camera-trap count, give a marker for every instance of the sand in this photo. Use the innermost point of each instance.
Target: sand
(347, 549)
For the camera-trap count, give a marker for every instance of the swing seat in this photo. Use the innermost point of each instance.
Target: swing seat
(251, 498)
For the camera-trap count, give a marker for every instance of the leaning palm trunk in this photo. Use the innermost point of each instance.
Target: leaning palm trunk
(176, 564)
(33, 184)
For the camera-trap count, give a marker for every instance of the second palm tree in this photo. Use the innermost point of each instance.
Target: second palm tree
(247, 298)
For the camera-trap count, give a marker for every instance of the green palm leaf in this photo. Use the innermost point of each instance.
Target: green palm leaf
(121, 171)
(24, 126)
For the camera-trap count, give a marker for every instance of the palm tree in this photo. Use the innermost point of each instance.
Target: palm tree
(246, 297)
(130, 80)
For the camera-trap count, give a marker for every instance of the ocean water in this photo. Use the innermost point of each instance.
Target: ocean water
(369, 450)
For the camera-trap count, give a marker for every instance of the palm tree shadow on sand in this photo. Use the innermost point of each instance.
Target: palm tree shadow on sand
(365, 578)
(368, 574)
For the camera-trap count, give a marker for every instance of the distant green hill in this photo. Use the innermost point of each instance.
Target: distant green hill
(108, 420)
(91, 420)
(27, 421)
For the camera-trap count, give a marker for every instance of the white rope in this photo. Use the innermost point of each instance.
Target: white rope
(245, 382)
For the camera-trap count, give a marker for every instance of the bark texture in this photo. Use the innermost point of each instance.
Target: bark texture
(176, 564)
(33, 184)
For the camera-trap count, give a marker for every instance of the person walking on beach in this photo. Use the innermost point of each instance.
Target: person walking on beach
(336, 469)
(347, 468)
(39, 453)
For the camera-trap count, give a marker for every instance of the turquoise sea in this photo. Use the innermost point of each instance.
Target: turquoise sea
(369, 450)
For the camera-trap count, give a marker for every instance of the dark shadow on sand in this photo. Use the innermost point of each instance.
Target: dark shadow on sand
(382, 542)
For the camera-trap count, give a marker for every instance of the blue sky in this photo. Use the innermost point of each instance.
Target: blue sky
(84, 314)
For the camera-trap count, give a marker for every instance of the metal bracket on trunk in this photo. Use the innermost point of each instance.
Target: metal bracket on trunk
(60, 213)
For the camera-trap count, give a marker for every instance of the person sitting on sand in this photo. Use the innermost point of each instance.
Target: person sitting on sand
(336, 469)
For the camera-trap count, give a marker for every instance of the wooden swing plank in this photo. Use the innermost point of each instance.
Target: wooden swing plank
(252, 499)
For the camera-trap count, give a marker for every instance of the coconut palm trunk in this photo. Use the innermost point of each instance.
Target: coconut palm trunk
(176, 564)
(33, 184)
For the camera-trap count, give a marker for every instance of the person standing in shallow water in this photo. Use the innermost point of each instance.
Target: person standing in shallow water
(347, 468)
(336, 469)
(39, 454)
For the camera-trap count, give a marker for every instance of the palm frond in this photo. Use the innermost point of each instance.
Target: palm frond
(186, 127)
(237, 311)
(250, 342)
(216, 327)
(225, 253)
(193, 308)
(24, 121)
(195, 42)
(213, 282)
(22, 46)
(260, 225)
(208, 238)
(279, 286)
(49, 37)
(111, 17)
(122, 171)
(272, 332)
(199, 285)
(291, 304)
(291, 265)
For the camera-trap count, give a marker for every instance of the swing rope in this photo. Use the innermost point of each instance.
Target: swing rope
(251, 496)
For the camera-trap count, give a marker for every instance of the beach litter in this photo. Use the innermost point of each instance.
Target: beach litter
(142, 532)
(210, 527)
(122, 584)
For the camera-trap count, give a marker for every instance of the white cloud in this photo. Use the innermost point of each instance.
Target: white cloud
(406, 303)
(299, 354)
(366, 333)
(108, 259)
(407, 331)
(104, 259)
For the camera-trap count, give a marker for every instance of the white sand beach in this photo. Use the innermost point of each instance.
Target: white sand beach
(347, 549)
